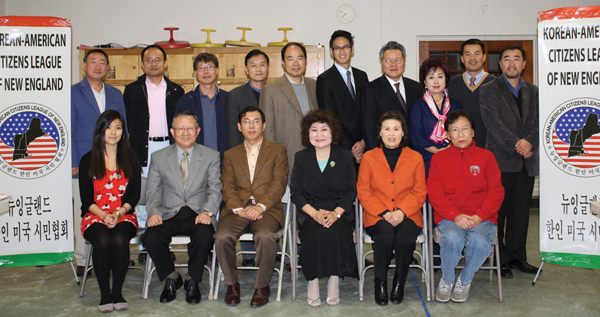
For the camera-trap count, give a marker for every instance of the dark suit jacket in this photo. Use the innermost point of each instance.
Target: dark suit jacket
(283, 114)
(333, 94)
(192, 102)
(85, 112)
(505, 127)
(238, 99)
(334, 187)
(269, 182)
(378, 98)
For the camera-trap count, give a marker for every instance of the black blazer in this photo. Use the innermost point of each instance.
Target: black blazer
(378, 98)
(334, 187)
(333, 95)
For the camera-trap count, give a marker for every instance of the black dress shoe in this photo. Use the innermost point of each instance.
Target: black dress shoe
(397, 294)
(381, 295)
(506, 272)
(170, 291)
(248, 262)
(192, 292)
(131, 263)
(81, 269)
(142, 258)
(523, 266)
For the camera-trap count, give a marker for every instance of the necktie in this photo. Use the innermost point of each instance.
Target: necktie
(400, 97)
(472, 83)
(185, 168)
(350, 87)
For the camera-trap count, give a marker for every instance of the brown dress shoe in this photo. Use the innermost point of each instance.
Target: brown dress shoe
(232, 297)
(260, 297)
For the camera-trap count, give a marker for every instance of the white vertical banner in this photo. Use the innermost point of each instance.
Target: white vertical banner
(35, 154)
(569, 77)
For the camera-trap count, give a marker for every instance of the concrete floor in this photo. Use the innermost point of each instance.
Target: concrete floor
(560, 291)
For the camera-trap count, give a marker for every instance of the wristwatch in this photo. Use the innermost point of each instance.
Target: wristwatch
(208, 213)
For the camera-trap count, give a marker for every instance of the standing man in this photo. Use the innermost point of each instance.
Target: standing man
(208, 102)
(288, 99)
(257, 68)
(509, 109)
(150, 102)
(89, 98)
(183, 192)
(254, 180)
(465, 87)
(339, 88)
(390, 92)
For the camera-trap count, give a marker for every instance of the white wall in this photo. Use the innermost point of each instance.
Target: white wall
(142, 21)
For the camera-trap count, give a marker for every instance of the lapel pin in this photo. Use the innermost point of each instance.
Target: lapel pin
(332, 163)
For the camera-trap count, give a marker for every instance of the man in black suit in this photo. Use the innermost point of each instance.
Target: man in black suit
(390, 92)
(339, 89)
(509, 109)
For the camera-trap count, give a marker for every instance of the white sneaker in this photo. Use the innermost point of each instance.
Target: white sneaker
(443, 291)
(461, 292)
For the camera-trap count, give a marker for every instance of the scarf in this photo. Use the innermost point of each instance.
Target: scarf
(438, 134)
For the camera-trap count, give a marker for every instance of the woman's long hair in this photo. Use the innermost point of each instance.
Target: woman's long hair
(127, 160)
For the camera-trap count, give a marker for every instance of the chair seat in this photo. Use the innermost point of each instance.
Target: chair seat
(180, 240)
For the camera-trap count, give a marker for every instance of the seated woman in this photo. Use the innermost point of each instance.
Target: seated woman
(466, 193)
(323, 188)
(427, 114)
(391, 188)
(109, 184)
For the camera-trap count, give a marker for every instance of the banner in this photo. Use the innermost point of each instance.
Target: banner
(35, 156)
(569, 77)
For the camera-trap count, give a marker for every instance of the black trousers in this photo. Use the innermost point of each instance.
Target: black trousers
(389, 239)
(514, 215)
(158, 238)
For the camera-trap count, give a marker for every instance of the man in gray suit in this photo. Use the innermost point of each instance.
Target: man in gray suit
(183, 191)
(509, 109)
(257, 68)
(288, 99)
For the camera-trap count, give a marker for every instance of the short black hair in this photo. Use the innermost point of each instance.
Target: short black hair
(253, 53)
(453, 116)
(322, 116)
(513, 47)
(154, 46)
(472, 42)
(393, 115)
(207, 58)
(431, 64)
(284, 49)
(250, 109)
(341, 33)
(85, 57)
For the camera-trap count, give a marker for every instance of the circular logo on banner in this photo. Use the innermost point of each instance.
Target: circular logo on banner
(571, 137)
(33, 140)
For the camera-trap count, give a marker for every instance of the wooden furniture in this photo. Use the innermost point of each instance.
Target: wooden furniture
(126, 64)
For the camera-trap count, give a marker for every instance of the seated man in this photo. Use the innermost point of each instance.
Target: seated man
(254, 180)
(465, 191)
(183, 191)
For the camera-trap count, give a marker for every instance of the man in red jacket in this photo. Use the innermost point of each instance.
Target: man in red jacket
(466, 193)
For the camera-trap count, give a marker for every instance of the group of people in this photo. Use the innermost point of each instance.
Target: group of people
(391, 142)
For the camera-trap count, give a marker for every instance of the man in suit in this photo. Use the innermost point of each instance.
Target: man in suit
(150, 103)
(509, 109)
(183, 192)
(257, 68)
(390, 92)
(288, 99)
(339, 88)
(208, 102)
(89, 98)
(465, 87)
(254, 180)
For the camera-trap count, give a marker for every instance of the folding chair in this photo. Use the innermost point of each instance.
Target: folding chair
(249, 237)
(423, 255)
(490, 266)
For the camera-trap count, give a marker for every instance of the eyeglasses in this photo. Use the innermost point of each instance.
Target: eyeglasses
(457, 131)
(393, 61)
(188, 129)
(149, 61)
(255, 122)
(338, 48)
(207, 67)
